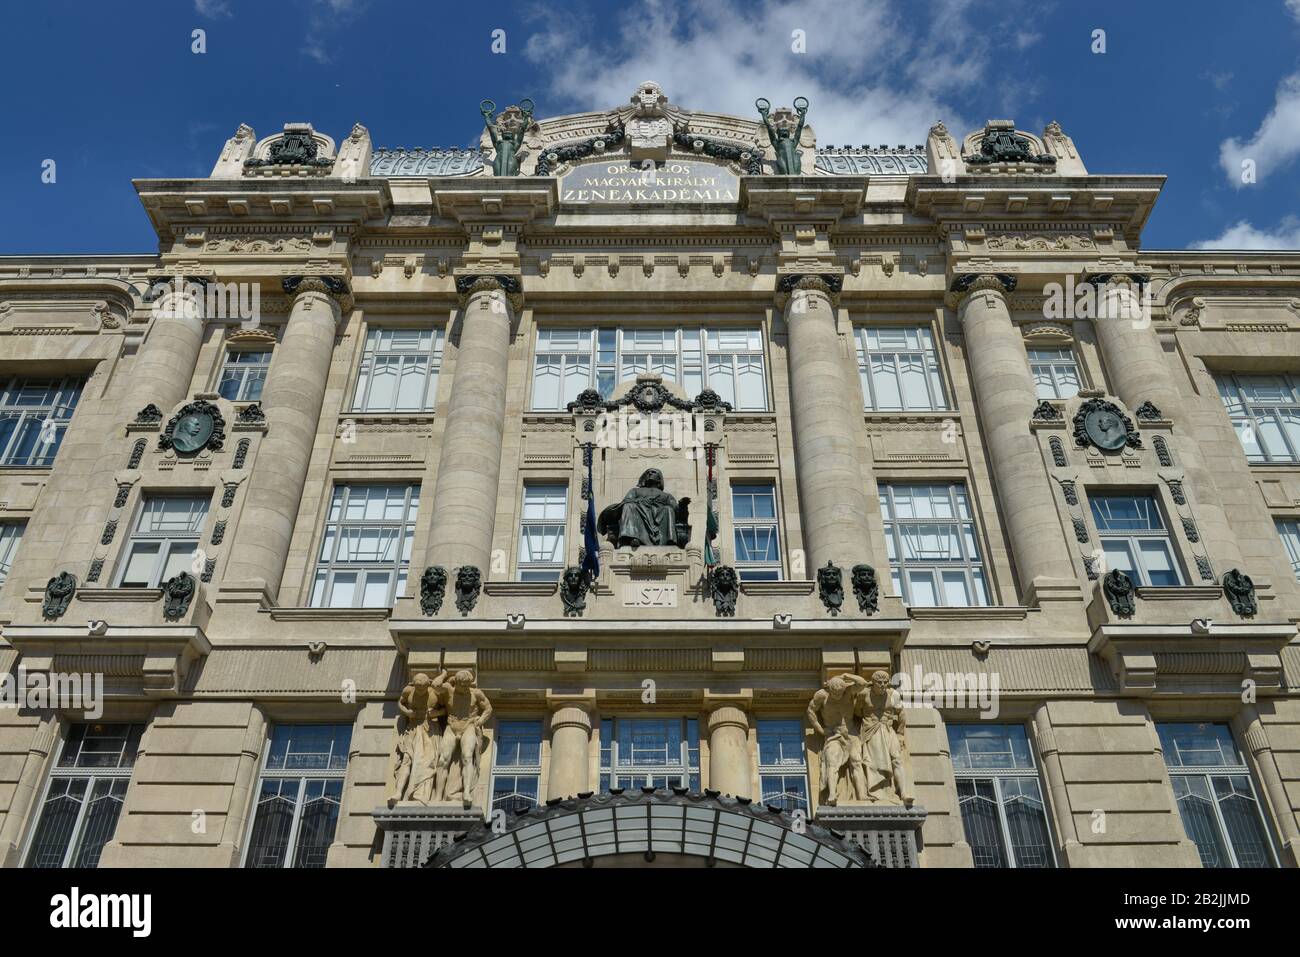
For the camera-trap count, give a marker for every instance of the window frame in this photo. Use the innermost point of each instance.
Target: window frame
(1290, 538)
(92, 775)
(398, 570)
(1134, 538)
(609, 355)
(167, 541)
(59, 411)
(784, 769)
(11, 539)
(516, 771)
(900, 570)
(1052, 367)
(243, 369)
(1249, 414)
(1208, 772)
(747, 569)
(997, 776)
(686, 771)
(541, 571)
(359, 403)
(304, 776)
(931, 361)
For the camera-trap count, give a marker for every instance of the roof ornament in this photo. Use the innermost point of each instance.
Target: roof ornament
(784, 127)
(507, 133)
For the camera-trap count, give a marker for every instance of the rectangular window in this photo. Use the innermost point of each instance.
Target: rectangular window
(1001, 800)
(757, 541)
(1265, 411)
(11, 533)
(899, 369)
(244, 374)
(1216, 798)
(299, 793)
(657, 752)
(541, 532)
(1287, 528)
(934, 556)
(83, 798)
(164, 540)
(34, 414)
(517, 766)
(727, 360)
(399, 371)
(366, 547)
(1134, 538)
(1056, 372)
(782, 766)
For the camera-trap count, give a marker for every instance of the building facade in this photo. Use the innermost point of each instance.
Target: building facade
(568, 493)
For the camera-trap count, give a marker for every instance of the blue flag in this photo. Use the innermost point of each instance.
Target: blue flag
(590, 543)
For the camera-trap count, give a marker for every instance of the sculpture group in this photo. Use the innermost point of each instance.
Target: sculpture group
(439, 739)
(863, 759)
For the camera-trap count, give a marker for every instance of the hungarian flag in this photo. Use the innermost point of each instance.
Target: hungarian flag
(590, 543)
(711, 523)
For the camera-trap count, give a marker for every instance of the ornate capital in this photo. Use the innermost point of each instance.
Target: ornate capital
(828, 284)
(471, 283)
(571, 716)
(726, 714)
(333, 286)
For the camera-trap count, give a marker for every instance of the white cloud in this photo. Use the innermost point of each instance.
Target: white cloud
(881, 71)
(1275, 144)
(324, 17)
(1294, 7)
(212, 8)
(1242, 235)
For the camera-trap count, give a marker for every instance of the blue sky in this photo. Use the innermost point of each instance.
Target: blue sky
(113, 91)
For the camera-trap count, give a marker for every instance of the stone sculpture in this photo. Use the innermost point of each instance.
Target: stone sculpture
(864, 741)
(467, 709)
(507, 132)
(783, 132)
(415, 754)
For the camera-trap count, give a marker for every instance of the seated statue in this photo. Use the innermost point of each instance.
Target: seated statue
(647, 516)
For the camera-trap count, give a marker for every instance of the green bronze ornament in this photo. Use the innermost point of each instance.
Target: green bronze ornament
(198, 425)
(507, 133)
(783, 132)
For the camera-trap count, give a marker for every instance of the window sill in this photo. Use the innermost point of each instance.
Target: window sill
(963, 612)
(329, 614)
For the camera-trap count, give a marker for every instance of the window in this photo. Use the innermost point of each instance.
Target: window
(1215, 796)
(658, 752)
(34, 414)
(366, 548)
(83, 798)
(517, 767)
(399, 371)
(541, 532)
(934, 558)
(299, 795)
(758, 544)
(1056, 373)
(1001, 802)
(1134, 538)
(899, 368)
(1288, 529)
(782, 767)
(164, 540)
(244, 374)
(1265, 411)
(727, 360)
(11, 533)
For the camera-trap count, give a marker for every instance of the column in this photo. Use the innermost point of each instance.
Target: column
(242, 795)
(1138, 370)
(1049, 753)
(570, 752)
(469, 461)
(826, 414)
(22, 802)
(729, 751)
(1251, 733)
(1006, 397)
(291, 401)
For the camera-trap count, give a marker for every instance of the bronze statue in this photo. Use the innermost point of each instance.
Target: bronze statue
(507, 132)
(784, 133)
(647, 516)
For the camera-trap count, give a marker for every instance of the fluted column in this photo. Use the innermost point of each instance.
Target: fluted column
(729, 751)
(570, 755)
(1139, 372)
(826, 413)
(1251, 733)
(1006, 397)
(291, 401)
(469, 461)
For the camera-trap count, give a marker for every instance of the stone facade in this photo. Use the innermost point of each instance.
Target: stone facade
(969, 244)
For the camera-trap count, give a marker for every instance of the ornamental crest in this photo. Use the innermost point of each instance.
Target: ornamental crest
(197, 426)
(1104, 425)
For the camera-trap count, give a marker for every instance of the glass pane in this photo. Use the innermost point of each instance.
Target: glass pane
(1241, 816)
(1196, 808)
(101, 820)
(1198, 746)
(988, 746)
(268, 845)
(140, 565)
(1159, 562)
(53, 833)
(1022, 803)
(979, 817)
(320, 814)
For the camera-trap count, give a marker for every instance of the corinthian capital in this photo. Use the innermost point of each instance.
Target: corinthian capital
(828, 284)
(964, 284)
(470, 283)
